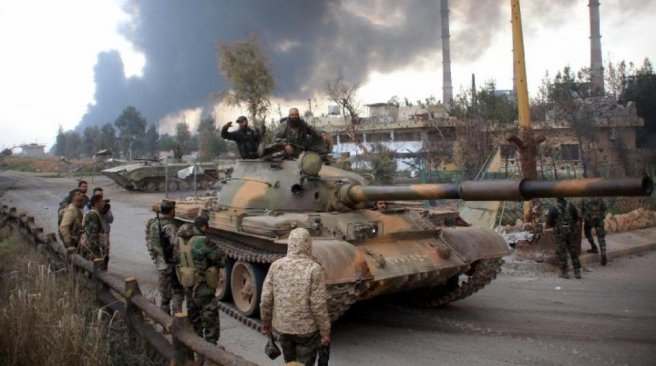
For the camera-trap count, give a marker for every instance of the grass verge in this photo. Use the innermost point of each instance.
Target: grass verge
(49, 318)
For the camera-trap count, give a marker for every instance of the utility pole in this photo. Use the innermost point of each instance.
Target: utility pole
(525, 140)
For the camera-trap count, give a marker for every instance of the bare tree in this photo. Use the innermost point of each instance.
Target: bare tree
(248, 74)
(343, 94)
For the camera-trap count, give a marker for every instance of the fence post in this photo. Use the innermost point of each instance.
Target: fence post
(131, 311)
(99, 265)
(183, 355)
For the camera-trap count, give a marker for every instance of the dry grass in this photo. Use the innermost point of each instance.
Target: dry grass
(46, 319)
(49, 318)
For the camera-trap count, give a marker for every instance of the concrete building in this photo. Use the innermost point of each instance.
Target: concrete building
(33, 149)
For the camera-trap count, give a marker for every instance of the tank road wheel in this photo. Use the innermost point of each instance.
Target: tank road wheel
(161, 186)
(246, 282)
(173, 186)
(223, 292)
(150, 187)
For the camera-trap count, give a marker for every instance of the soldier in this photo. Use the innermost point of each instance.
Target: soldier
(563, 219)
(161, 243)
(106, 213)
(95, 241)
(594, 212)
(294, 301)
(83, 186)
(199, 262)
(247, 139)
(295, 132)
(71, 222)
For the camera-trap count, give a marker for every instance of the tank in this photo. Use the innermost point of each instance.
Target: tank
(150, 175)
(430, 258)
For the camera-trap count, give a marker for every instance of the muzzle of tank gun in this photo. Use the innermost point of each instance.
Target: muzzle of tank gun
(500, 190)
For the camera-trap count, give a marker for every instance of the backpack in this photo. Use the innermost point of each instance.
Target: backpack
(185, 270)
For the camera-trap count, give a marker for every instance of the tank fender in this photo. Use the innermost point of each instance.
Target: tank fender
(341, 261)
(474, 243)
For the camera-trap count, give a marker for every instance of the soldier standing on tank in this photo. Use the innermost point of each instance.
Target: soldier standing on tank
(70, 227)
(207, 258)
(294, 301)
(295, 131)
(563, 218)
(594, 212)
(247, 139)
(162, 243)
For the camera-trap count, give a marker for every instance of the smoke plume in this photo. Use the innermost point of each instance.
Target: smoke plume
(307, 42)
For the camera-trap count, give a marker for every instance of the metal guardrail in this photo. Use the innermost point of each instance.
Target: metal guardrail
(123, 296)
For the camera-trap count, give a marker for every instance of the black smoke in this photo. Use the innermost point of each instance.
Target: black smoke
(308, 43)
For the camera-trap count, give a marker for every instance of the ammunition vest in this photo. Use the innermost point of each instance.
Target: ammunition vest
(565, 224)
(595, 209)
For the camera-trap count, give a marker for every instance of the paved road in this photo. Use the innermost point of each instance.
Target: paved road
(608, 318)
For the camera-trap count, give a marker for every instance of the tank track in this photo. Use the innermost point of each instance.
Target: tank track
(340, 296)
(483, 273)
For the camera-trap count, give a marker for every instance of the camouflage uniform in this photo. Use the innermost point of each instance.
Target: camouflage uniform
(563, 219)
(294, 300)
(594, 212)
(170, 290)
(96, 244)
(71, 226)
(302, 135)
(202, 308)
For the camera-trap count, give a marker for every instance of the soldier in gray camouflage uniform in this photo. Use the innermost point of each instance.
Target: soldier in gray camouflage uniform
(294, 301)
(594, 212)
(170, 290)
(563, 218)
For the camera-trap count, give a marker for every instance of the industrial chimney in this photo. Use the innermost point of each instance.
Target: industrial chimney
(447, 87)
(596, 64)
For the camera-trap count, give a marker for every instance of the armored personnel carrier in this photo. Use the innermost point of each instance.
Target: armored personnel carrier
(151, 175)
(364, 252)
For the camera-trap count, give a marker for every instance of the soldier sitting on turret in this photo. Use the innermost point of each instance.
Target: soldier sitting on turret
(297, 135)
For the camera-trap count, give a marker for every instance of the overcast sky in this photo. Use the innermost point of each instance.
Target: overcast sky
(79, 62)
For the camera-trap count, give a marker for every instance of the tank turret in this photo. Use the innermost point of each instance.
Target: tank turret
(367, 252)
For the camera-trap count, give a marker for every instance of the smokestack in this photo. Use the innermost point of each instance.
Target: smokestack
(473, 90)
(447, 87)
(596, 64)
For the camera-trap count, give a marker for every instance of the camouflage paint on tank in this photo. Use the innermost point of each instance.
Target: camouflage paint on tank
(367, 252)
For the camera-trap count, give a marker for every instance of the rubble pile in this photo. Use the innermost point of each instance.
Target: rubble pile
(636, 219)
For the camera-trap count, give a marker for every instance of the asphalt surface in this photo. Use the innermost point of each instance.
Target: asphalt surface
(522, 318)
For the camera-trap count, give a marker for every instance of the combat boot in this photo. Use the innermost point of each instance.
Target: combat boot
(593, 248)
(604, 260)
(577, 273)
(564, 274)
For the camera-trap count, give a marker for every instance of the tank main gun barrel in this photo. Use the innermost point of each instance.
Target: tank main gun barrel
(500, 190)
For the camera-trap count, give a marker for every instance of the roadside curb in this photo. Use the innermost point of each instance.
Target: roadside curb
(619, 245)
